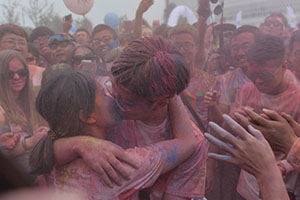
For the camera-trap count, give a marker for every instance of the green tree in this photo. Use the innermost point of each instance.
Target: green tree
(83, 22)
(41, 13)
(10, 12)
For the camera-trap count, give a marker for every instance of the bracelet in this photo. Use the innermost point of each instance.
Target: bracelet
(293, 156)
(23, 142)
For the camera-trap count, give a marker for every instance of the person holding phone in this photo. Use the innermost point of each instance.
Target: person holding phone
(85, 58)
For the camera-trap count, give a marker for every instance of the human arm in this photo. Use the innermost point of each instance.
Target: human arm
(99, 154)
(8, 141)
(250, 151)
(204, 13)
(67, 24)
(143, 7)
(214, 111)
(27, 143)
(183, 143)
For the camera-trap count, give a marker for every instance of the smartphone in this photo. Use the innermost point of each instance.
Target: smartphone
(87, 65)
(68, 17)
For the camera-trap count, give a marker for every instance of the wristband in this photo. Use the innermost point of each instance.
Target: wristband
(23, 142)
(293, 156)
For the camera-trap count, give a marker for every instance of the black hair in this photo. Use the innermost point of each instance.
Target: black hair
(34, 51)
(266, 48)
(101, 66)
(247, 28)
(60, 102)
(40, 31)
(102, 27)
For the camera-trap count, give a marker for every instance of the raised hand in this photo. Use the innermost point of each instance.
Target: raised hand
(144, 6)
(8, 141)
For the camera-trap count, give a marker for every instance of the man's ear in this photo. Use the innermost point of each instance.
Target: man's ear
(89, 120)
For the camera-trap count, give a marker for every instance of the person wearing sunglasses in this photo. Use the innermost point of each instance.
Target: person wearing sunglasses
(84, 58)
(20, 124)
(275, 24)
(14, 37)
(62, 46)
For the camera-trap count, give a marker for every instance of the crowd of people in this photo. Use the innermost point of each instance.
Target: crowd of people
(151, 112)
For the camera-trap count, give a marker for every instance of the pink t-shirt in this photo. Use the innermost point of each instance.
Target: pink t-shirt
(288, 101)
(200, 83)
(78, 177)
(229, 84)
(188, 179)
(36, 75)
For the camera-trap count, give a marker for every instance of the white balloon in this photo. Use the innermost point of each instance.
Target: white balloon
(79, 7)
(181, 11)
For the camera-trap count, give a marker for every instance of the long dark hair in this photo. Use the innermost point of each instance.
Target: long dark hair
(60, 102)
(28, 116)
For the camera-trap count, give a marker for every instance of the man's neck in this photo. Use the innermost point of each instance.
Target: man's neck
(156, 117)
(282, 87)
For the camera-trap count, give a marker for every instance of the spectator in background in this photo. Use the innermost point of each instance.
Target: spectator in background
(39, 37)
(85, 58)
(14, 37)
(276, 24)
(82, 36)
(104, 39)
(162, 30)
(33, 56)
(62, 45)
(269, 88)
(222, 178)
(112, 56)
(18, 117)
(186, 40)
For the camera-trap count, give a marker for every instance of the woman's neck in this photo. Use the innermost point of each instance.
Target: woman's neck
(94, 131)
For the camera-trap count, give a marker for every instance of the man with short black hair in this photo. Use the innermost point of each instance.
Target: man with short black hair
(39, 37)
(269, 88)
(104, 39)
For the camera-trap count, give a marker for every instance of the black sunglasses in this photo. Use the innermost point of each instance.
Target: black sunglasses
(21, 73)
(77, 59)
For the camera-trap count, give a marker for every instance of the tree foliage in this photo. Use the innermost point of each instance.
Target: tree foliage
(10, 12)
(41, 13)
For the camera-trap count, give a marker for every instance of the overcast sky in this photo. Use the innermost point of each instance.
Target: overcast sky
(102, 7)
